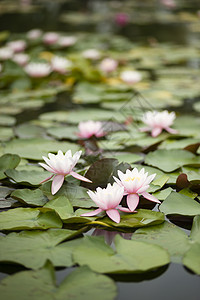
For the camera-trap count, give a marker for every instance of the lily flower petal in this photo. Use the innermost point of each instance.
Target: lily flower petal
(80, 177)
(150, 197)
(57, 183)
(132, 201)
(114, 215)
(92, 213)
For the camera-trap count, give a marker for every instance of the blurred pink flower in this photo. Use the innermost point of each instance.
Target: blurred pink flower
(5, 53)
(61, 165)
(135, 182)
(92, 54)
(130, 76)
(34, 34)
(50, 38)
(66, 41)
(169, 3)
(90, 128)
(108, 200)
(121, 19)
(60, 64)
(38, 70)
(21, 58)
(157, 121)
(17, 46)
(108, 65)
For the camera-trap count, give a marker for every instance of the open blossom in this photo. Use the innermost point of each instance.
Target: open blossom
(92, 54)
(108, 200)
(90, 128)
(34, 34)
(121, 19)
(21, 58)
(38, 70)
(17, 46)
(108, 65)
(66, 41)
(6, 53)
(157, 121)
(130, 76)
(50, 38)
(61, 165)
(60, 64)
(135, 183)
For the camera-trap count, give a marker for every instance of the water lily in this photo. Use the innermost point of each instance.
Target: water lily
(34, 34)
(135, 183)
(121, 19)
(92, 54)
(38, 70)
(108, 200)
(130, 76)
(90, 128)
(60, 64)
(21, 58)
(17, 46)
(108, 65)
(61, 165)
(66, 41)
(50, 38)
(157, 121)
(6, 53)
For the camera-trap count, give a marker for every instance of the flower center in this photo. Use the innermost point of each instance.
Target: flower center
(132, 178)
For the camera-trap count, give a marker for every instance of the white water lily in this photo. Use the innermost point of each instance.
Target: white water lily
(135, 183)
(66, 41)
(34, 34)
(92, 54)
(17, 46)
(108, 65)
(50, 38)
(60, 64)
(38, 70)
(61, 165)
(6, 53)
(21, 58)
(157, 121)
(130, 76)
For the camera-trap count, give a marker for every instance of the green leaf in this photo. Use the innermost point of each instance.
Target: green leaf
(6, 133)
(33, 248)
(29, 218)
(129, 257)
(170, 160)
(61, 205)
(192, 259)
(179, 204)
(81, 284)
(195, 232)
(31, 197)
(28, 177)
(63, 132)
(8, 161)
(163, 194)
(7, 120)
(27, 131)
(166, 235)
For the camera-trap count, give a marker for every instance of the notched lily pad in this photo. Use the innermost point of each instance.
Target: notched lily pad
(8, 161)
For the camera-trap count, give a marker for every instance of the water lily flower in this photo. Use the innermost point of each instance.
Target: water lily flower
(61, 165)
(121, 19)
(108, 65)
(135, 183)
(66, 41)
(38, 70)
(50, 38)
(34, 34)
(130, 76)
(157, 121)
(6, 53)
(21, 59)
(17, 46)
(169, 3)
(92, 54)
(90, 128)
(60, 64)
(108, 200)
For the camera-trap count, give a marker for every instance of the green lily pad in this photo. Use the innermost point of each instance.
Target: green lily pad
(28, 177)
(192, 260)
(129, 257)
(179, 204)
(33, 248)
(27, 131)
(8, 161)
(163, 194)
(170, 160)
(63, 132)
(7, 120)
(166, 235)
(81, 284)
(6, 133)
(30, 197)
(61, 205)
(29, 218)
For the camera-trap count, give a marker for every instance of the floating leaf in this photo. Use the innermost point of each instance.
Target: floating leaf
(7, 120)
(8, 161)
(27, 131)
(30, 197)
(28, 177)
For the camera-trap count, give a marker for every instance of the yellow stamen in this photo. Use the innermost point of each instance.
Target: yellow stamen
(132, 178)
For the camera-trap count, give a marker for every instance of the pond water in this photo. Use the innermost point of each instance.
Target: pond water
(153, 253)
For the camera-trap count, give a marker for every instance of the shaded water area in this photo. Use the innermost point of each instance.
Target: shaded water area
(161, 41)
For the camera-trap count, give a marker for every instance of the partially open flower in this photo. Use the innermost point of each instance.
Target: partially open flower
(90, 128)
(60, 64)
(34, 34)
(108, 200)
(61, 165)
(157, 121)
(135, 183)
(38, 70)
(6, 53)
(21, 58)
(50, 38)
(92, 54)
(17, 46)
(130, 76)
(66, 41)
(108, 65)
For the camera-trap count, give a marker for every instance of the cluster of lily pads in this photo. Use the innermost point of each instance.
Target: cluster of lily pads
(118, 86)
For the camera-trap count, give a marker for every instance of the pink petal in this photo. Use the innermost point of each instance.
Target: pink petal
(124, 209)
(92, 213)
(46, 179)
(171, 130)
(156, 131)
(150, 197)
(57, 183)
(78, 176)
(114, 215)
(143, 129)
(132, 201)
(49, 169)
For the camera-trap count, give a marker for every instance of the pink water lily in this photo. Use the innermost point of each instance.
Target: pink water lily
(157, 121)
(90, 128)
(61, 165)
(135, 183)
(108, 65)
(108, 200)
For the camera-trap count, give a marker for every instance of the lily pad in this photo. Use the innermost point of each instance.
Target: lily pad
(8, 161)
(27, 177)
(30, 197)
